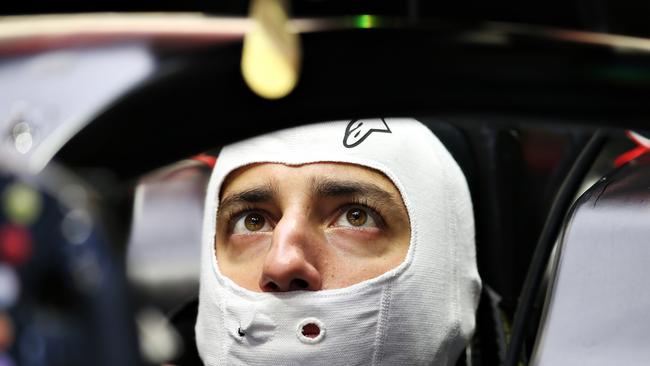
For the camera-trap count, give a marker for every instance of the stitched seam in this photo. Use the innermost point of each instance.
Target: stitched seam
(356, 288)
(224, 329)
(380, 336)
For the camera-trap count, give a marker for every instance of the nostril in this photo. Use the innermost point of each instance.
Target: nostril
(298, 284)
(270, 287)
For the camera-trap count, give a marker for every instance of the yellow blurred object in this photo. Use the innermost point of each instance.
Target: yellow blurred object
(271, 57)
(22, 204)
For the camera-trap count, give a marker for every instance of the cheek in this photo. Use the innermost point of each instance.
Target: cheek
(242, 248)
(241, 258)
(358, 242)
(360, 255)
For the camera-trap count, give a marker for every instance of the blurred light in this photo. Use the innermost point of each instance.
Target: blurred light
(22, 204)
(23, 142)
(5, 360)
(365, 21)
(76, 226)
(86, 271)
(22, 134)
(271, 56)
(159, 342)
(620, 42)
(9, 286)
(15, 244)
(110, 24)
(6, 332)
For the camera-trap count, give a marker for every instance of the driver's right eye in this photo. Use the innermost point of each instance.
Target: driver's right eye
(251, 222)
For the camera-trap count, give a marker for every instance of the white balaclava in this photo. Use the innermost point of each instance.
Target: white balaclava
(419, 313)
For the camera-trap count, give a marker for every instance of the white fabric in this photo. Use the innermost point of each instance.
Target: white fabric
(419, 313)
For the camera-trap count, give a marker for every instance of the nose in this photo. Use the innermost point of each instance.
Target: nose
(290, 264)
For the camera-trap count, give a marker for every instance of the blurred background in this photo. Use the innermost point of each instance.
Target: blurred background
(112, 115)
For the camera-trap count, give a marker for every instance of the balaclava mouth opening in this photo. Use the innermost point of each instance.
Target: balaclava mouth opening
(420, 313)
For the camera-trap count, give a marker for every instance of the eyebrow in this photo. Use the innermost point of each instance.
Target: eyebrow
(321, 187)
(324, 187)
(264, 193)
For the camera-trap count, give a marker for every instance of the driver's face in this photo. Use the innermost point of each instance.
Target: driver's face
(309, 227)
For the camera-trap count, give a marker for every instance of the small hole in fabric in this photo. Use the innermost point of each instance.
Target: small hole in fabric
(241, 332)
(310, 330)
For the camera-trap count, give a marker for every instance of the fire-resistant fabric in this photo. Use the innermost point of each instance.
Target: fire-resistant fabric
(420, 313)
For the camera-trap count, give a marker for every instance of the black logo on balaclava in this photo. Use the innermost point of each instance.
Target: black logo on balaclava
(358, 130)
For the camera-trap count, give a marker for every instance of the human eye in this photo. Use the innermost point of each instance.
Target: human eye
(250, 222)
(357, 217)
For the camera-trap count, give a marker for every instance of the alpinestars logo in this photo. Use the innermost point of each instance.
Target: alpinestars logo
(358, 130)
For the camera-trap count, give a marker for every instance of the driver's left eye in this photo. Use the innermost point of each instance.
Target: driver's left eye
(251, 222)
(356, 216)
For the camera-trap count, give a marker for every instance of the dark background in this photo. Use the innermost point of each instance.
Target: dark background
(620, 17)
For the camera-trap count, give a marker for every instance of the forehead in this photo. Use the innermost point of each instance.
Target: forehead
(283, 175)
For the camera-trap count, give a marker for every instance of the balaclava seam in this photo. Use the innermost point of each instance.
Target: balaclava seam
(381, 326)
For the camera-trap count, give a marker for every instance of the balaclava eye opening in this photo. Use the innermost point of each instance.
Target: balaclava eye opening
(419, 313)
